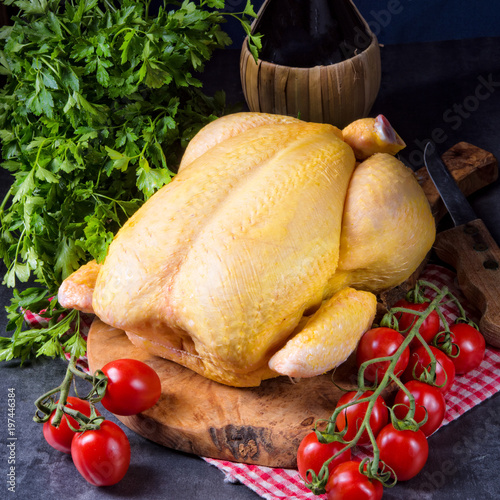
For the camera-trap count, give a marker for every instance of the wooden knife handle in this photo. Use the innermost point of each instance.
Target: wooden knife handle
(472, 168)
(472, 251)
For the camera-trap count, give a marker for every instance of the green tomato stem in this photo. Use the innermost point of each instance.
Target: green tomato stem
(45, 404)
(64, 392)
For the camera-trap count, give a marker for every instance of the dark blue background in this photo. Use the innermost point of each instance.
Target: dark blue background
(404, 21)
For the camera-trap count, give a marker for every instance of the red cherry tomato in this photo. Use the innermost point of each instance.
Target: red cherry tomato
(312, 454)
(420, 360)
(427, 397)
(430, 327)
(377, 343)
(405, 452)
(133, 387)
(472, 347)
(60, 437)
(101, 456)
(348, 483)
(353, 416)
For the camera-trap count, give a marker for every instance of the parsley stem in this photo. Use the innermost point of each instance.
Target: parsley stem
(6, 198)
(16, 254)
(110, 5)
(44, 59)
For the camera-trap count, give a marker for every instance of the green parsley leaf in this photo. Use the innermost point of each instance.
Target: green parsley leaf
(150, 179)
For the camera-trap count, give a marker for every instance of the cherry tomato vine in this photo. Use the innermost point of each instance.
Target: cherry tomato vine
(403, 426)
(46, 404)
(73, 425)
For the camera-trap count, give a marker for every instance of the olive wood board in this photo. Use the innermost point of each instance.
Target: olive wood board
(261, 425)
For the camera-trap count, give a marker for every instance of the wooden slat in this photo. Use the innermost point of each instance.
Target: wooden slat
(281, 78)
(328, 115)
(267, 93)
(297, 95)
(251, 76)
(316, 113)
(243, 63)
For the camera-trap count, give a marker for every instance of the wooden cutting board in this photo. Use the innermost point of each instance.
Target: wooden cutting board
(262, 425)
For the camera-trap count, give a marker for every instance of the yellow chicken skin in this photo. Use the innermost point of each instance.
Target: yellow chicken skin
(386, 226)
(225, 127)
(241, 267)
(372, 135)
(77, 290)
(331, 333)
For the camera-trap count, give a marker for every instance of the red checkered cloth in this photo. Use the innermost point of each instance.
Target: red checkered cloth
(467, 391)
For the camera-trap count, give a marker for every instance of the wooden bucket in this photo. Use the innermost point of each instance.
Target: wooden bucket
(336, 93)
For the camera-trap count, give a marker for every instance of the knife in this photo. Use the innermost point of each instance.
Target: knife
(469, 248)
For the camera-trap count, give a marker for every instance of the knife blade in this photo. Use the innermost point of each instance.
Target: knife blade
(469, 248)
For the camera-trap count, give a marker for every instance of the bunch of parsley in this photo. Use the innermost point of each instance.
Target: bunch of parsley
(99, 102)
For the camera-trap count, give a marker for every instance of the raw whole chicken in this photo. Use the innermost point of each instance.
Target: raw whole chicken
(263, 256)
